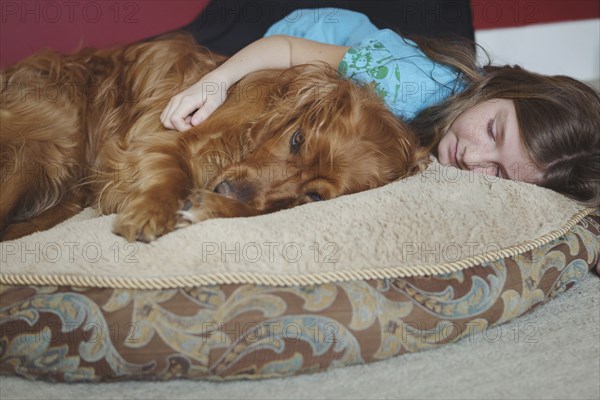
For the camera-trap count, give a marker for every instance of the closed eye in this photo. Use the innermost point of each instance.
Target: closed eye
(490, 128)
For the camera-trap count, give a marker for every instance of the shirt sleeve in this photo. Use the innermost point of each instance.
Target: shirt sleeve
(403, 76)
(326, 25)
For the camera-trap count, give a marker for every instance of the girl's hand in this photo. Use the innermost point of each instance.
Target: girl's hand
(271, 52)
(192, 106)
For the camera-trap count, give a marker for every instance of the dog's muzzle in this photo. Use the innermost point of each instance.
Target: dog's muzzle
(240, 191)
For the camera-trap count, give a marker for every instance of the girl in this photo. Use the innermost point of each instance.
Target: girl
(498, 120)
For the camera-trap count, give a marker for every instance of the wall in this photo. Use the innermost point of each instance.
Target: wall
(547, 36)
(27, 26)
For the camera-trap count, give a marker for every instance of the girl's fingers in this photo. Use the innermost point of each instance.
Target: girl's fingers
(185, 108)
(164, 117)
(198, 117)
(178, 112)
(211, 104)
(168, 113)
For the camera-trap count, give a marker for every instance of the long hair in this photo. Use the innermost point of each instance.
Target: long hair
(558, 116)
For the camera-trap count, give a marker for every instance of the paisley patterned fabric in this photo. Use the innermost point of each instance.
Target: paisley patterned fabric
(249, 331)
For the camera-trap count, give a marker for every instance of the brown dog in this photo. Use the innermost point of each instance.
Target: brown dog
(84, 129)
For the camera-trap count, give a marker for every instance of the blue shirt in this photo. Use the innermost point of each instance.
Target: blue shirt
(403, 76)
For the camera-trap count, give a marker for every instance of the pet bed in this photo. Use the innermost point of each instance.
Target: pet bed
(410, 266)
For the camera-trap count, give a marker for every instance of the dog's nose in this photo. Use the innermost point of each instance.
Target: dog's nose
(224, 188)
(236, 190)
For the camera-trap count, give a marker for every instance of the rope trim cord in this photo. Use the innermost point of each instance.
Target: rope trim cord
(290, 280)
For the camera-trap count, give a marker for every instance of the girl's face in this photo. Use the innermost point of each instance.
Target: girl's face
(485, 138)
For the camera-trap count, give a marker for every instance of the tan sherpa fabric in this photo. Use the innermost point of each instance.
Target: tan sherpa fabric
(441, 220)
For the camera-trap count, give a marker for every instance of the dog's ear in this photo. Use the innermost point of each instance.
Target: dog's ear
(311, 82)
(314, 93)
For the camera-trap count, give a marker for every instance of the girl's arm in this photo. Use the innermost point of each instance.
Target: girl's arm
(271, 52)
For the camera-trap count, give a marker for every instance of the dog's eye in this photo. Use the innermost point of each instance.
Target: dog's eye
(314, 196)
(296, 141)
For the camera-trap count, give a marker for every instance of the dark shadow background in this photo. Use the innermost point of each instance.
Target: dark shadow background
(226, 26)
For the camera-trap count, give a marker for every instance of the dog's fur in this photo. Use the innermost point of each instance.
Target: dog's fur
(84, 129)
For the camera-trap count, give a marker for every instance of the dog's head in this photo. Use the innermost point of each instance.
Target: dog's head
(313, 136)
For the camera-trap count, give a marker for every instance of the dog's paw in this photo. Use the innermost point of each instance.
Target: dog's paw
(144, 225)
(194, 210)
(203, 204)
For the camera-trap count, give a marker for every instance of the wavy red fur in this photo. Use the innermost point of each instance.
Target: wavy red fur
(83, 130)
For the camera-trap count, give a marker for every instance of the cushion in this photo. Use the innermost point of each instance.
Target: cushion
(406, 267)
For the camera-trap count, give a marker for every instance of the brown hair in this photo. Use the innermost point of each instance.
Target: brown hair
(558, 116)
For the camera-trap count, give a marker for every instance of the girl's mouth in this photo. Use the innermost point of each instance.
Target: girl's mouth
(453, 155)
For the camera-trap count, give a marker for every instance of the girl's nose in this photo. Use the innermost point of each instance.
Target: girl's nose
(479, 159)
(473, 156)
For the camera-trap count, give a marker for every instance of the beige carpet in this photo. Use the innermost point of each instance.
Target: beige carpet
(551, 353)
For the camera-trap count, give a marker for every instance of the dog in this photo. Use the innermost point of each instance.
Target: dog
(84, 130)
